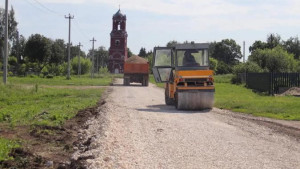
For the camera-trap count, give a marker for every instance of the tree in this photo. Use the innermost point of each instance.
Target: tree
(58, 48)
(172, 43)
(12, 26)
(18, 48)
(257, 45)
(274, 60)
(102, 55)
(292, 45)
(227, 51)
(129, 53)
(38, 50)
(143, 52)
(273, 40)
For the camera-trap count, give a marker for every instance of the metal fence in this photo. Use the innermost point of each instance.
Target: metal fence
(272, 82)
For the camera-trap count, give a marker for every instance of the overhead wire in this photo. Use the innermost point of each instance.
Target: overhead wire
(48, 9)
(44, 8)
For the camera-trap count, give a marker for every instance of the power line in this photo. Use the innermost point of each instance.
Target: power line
(48, 9)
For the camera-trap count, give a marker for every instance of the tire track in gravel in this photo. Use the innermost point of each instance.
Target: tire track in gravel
(135, 129)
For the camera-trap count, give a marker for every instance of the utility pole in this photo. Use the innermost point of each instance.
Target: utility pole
(244, 53)
(5, 44)
(79, 65)
(69, 45)
(93, 58)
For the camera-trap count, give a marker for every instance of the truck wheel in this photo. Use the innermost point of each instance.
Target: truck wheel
(126, 82)
(168, 100)
(147, 82)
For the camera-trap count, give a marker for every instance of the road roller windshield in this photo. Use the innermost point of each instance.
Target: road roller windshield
(192, 58)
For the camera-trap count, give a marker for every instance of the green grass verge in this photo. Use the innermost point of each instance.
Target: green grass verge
(240, 99)
(85, 80)
(43, 106)
(152, 80)
(5, 148)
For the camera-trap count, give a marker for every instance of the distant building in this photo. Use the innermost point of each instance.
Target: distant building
(118, 44)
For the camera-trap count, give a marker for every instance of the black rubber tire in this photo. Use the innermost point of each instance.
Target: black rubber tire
(126, 82)
(168, 100)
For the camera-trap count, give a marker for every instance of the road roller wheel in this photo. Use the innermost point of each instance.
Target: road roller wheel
(195, 100)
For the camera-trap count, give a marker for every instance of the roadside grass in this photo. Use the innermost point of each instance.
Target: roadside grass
(43, 106)
(24, 103)
(240, 99)
(84, 80)
(5, 148)
(152, 80)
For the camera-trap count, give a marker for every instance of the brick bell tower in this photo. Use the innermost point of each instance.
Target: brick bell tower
(118, 44)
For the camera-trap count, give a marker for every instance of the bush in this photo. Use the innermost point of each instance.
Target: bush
(247, 67)
(103, 70)
(21, 70)
(274, 60)
(213, 64)
(224, 68)
(12, 61)
(85, 65)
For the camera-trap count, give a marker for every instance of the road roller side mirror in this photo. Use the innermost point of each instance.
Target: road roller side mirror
(163, 60)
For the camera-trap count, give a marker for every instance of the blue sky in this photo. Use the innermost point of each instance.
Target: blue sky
(155, 22)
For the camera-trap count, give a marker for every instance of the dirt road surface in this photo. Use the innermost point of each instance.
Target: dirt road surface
(137, 130)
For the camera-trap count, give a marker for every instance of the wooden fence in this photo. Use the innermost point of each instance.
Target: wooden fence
(272, 82)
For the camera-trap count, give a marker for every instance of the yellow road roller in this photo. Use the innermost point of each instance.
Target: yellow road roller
(185, 70)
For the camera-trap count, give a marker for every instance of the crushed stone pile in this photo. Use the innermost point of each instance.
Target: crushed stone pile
(136, 59)
(294, 91)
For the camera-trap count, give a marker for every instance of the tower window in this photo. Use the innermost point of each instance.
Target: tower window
(117, 42)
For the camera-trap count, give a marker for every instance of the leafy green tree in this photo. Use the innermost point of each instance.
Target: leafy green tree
(143, 52)
(18, 48)
(38, 50)
(273, 40)
(58, 49)
(129, 53)
(227, 51)
(172, 43)
(75, 52)
(274, 60)
(292, 45)
(258, 45)
(102, 55)
(12, 27)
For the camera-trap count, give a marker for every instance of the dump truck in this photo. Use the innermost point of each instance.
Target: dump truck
(136, 69)
(184, 68)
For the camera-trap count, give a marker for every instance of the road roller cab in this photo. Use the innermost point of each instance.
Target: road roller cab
(185, 70)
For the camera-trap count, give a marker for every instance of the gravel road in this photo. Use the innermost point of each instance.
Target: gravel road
(137, 130)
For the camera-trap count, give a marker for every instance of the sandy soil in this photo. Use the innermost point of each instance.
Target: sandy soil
(135, 129)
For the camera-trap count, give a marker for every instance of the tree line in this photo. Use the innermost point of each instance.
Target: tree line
(272, 55)
(40, 54)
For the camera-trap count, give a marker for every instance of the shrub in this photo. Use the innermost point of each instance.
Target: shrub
(247, 67)
(274, 60)
(104, 70)
(213, 64)
(224, 68)
(85, 65)
(12, 61)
